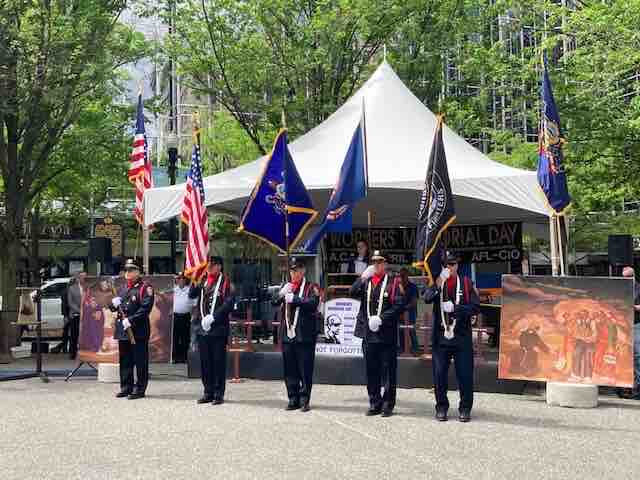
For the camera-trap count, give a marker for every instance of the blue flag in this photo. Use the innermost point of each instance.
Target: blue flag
(350, 188)
(279, 201)
(551, 175)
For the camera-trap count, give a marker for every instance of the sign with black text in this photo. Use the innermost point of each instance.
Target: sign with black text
(501, 242)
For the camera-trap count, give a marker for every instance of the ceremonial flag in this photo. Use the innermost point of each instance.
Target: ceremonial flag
(279, 209)
(436, 210)
(551, 175)
(194, 214)
(351, 187)
(140, 165)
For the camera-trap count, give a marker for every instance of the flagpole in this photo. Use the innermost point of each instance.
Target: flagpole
(286, 206)
(553, 244)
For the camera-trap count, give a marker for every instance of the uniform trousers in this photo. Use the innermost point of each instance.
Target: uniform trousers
(298, 360)
(381, 362)
(213, 365)
(462, 355)
(134, 356)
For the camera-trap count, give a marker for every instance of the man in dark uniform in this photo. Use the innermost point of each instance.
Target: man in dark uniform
(381, 304)
(215, 301)
(299, 301)
(132, 332)
(455, 301)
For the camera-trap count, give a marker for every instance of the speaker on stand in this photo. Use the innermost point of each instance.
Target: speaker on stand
(100, 252)
(620, 249)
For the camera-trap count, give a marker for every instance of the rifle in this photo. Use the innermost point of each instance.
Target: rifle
(121, 316)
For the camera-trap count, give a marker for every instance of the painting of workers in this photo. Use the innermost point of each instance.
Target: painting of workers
(567, 329)
(98, 320)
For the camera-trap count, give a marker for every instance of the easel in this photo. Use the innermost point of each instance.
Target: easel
(39, 373)
(78, 367)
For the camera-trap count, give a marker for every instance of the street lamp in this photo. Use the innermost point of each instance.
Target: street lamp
(172, 150)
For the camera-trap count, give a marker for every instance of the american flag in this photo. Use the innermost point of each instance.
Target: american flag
(194, 214)
(140, 166)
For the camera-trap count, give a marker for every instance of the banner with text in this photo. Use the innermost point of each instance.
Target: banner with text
(340, 316)
(501, 242)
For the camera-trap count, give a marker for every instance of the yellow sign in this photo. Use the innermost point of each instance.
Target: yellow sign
(112, 231)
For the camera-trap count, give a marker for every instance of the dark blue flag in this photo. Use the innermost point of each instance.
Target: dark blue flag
(436, 210)
(350, 188)
(551, 175)
(278, 198)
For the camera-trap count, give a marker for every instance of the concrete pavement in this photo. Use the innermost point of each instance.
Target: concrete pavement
(79, 430)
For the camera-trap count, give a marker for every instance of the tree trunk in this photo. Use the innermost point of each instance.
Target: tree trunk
(9, 255)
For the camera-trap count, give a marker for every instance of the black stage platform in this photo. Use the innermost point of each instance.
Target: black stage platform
(413, 372)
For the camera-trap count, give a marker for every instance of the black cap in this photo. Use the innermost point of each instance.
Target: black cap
(216, 260)
(131, 264)
(451, 257)
(296, 263)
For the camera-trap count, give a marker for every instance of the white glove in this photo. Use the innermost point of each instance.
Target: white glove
(368, 272)
(374, 323)
(288, 288)
(126, 324)
(206, 322)
(448, 306)
(289, 297)
(116, 301)
(445, 274)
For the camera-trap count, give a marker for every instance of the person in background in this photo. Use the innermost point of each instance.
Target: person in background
(74, 300)
(411, 295)
(182, 306)
(629, 272)
(359, 263)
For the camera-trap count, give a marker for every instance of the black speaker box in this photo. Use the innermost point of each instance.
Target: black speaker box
(100, 249)
(620, 250)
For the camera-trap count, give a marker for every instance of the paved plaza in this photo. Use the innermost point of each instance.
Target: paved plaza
(79, 430)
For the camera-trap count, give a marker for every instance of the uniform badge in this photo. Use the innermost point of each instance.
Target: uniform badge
(149, 290)
(133, 298)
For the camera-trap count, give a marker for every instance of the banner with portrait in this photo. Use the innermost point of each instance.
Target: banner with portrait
(97, 321)
(567, 329)
(340, 316)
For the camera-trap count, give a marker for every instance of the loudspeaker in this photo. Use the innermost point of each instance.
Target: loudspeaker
(620, 250)
(100, 249)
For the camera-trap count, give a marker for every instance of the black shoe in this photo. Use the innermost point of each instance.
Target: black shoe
(373, 411)
(204, 399)
(123, 393)
(136, 395)
(441, 415)
(464, 416)
(387, 412)
(305, 407)
(293, 405)
(218, 401)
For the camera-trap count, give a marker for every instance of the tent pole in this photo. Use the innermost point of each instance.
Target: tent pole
(553, 244)
(145, 249)
(561, 246)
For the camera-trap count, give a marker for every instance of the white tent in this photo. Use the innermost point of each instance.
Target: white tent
(400, 132)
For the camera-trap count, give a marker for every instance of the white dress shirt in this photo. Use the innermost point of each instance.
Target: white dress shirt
(181, 302)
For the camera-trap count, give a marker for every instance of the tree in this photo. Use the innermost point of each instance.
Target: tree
(54, 58)
(256, 58)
